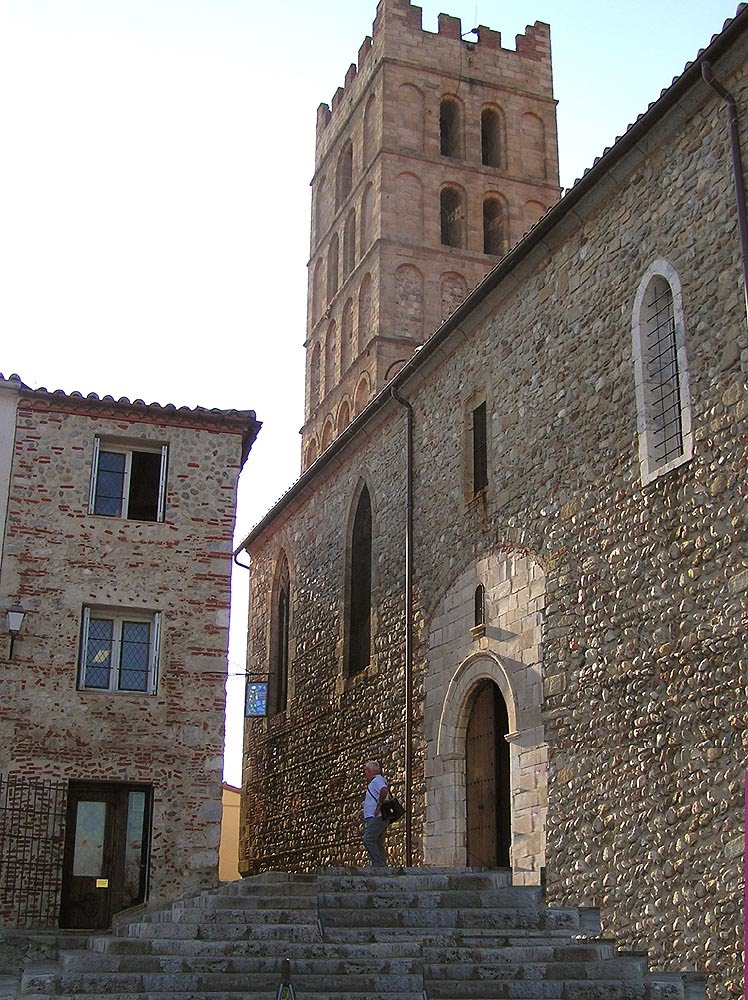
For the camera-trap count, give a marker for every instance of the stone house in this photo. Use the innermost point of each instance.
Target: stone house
(519, 576)
(118, 524)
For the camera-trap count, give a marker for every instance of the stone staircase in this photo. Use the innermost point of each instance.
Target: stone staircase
(397, 934)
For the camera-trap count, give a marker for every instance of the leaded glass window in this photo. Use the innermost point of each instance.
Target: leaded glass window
(119, 651)
(128, 482)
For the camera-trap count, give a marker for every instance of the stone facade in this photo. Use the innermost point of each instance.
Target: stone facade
(422, 117)
(61, 727)
(616, 588)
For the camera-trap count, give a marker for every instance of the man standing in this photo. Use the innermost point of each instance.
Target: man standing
(375, 827)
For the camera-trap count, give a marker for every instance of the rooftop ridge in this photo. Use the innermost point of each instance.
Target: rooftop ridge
(15, 382)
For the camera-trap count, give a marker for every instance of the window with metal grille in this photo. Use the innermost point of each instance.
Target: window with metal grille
(480, 449)
(119, 650)
(128, 482)
(661, 376)
(663, 389)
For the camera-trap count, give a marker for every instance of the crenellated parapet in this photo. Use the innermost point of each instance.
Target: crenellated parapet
(398, 33)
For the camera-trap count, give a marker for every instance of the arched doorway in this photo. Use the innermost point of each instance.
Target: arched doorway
(487, 781)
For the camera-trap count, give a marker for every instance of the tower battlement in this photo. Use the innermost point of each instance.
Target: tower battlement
(433, 159)
(398, 33)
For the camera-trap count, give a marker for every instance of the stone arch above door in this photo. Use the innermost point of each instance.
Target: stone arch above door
(505, 648)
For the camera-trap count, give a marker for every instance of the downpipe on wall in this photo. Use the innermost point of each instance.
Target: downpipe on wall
(737, 168)
(408, 626)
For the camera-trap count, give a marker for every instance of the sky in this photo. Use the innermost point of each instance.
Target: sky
(155, 162)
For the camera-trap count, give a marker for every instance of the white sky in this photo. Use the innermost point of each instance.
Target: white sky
(155, 160)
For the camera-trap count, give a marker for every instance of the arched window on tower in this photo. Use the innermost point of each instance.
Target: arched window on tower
(314, 378)
(312, 450)
(370, 126)
(319, 211)
(330, 352)
(452, 217)
(492, 138)
(317, 291)
(494, 226)
(332, 267)
(450, 127)
(349, 243)
(344, 174)
(359, 608)
(346, 338)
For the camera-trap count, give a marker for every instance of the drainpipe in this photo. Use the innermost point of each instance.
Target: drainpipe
(408, 627)
(737, 167)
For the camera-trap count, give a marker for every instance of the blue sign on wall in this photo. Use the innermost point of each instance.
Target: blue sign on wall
(256, 700)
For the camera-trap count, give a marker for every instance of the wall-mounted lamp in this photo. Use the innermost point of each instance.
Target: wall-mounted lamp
(15, 616)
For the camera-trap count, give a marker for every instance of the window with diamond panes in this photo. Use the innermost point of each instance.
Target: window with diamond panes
(128, 482)
(119, 652)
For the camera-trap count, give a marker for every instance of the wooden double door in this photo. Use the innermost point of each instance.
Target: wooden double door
(487, 781)
(105, 865)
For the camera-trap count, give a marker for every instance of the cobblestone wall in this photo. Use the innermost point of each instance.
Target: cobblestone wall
(642, 590)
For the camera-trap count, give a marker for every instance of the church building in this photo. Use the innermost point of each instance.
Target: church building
(513, 568)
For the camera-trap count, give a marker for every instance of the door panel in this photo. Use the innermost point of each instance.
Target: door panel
(106, 852)
(487, 788)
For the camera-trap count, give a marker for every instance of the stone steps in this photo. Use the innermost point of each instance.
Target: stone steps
(394, 935)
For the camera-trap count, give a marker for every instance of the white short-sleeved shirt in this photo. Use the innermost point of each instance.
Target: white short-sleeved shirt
(371, 798)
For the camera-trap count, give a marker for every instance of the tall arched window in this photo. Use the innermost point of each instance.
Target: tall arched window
(661, 372)
(532, 131)
(492, 137)
(364, 313)
(310, 456)
(330, 351)
(367, 220)
(319, 210)
(370, 126)
(361, 397)
(349, 243)
(494, 226)
(279, 648)
(344, 174)
(332, 267)
(450, 127)
(346, 338)
(410, 118)
(359, 617)
(452, 217)
(344, 416)
(314, 378)
(479, 610)
(328, 435)
(317, 291)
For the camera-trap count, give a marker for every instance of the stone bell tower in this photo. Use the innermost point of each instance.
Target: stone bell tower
(436, 156)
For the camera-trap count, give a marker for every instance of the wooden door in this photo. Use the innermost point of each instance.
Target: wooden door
(488, 792)
(106, 852)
